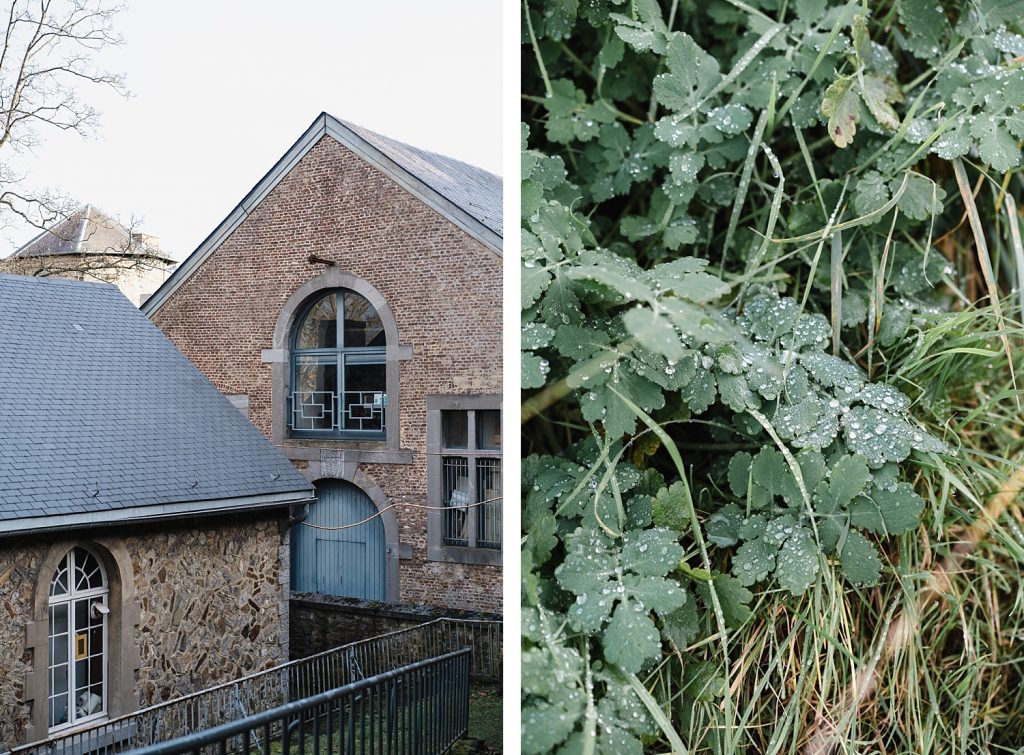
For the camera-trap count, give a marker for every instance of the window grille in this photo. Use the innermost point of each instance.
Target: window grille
(338, 369)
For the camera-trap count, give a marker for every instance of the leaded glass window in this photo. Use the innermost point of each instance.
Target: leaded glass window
(339, 373)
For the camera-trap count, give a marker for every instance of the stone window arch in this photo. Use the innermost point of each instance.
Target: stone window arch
(299, 305)
(72, 577)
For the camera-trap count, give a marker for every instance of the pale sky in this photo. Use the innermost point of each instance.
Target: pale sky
(221, 89)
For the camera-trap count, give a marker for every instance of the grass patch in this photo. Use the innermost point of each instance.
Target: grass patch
(484, 721)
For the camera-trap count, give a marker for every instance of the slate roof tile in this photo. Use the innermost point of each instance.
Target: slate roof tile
(112, 405)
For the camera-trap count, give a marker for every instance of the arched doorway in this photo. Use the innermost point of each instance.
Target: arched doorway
(350, 561)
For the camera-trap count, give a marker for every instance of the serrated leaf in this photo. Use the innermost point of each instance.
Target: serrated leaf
(732, 596)
(699, 393)
(877, 435)
(770, 471)
(681, 626)
(534, 370)
(921, 197)
(631, 638)
(692, 74)
(723, 527)
(797, 562)
(849, 476)
(996, 145)
(653, 552)
(841, 105)
(753, 562)
(654, 331)
(670, 507)
(730, 119)
(888, 512)
(654, 593)
(877, 93)
(859, 560)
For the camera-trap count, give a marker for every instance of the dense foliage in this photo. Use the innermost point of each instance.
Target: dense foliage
(740, 225)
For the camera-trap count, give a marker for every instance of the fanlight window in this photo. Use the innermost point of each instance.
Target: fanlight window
(79, 594)
(339, 369)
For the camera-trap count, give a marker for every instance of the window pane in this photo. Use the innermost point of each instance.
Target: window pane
(314, 394)
(363, 402)
(87, 570)
(455, 429)
(456, 496)
(59, 709)
(488, 429)
(319, 329)
(363, 326)
(59, 585)
(59, 620)
(488, 483)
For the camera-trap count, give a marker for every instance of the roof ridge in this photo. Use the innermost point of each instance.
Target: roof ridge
(352, 125)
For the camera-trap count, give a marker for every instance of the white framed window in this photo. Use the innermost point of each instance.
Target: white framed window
(77, 607)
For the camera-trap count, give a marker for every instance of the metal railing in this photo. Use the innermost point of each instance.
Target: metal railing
(334, 411)
(295, 680)
(422, 708)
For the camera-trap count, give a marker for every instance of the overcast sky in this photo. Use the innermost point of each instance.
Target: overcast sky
(220, 90)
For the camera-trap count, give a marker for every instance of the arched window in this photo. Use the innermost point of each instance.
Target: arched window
(339, 371)
(79, 594)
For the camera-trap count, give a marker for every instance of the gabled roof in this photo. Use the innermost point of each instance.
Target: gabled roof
(103, 420)
(468, 196)
(89, 231)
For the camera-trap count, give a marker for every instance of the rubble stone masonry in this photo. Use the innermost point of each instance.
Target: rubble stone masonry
(442, 285)
(203, 605)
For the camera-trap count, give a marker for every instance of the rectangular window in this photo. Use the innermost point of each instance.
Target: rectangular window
(464, 478)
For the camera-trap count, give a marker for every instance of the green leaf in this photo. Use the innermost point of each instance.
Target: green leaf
(921, 197)
(770, 471)
(859, 560)
(535, 281)
(879, 436)
(798, 562)
(653, 552)
(680, 627)
(723, 527)
(631, 638)
(534, 370)
(888, 512)
(654, 331)
(692, 74)
(732, 596)
(877, 93)
(753, 562)
(996, 145)
(654, 593)
(926, 27)
(849, 476)
(670, 507)
(841, 106)
(699, 393)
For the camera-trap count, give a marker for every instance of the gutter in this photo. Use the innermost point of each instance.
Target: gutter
(154, 513)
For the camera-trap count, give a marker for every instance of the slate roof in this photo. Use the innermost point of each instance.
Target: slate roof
(89, 231)
(473, 189)
(99, 412)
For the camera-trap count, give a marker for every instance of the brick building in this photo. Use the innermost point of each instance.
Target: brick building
(143, 522)
(350, 306)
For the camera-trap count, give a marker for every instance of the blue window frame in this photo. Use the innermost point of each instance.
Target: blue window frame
(338, 369)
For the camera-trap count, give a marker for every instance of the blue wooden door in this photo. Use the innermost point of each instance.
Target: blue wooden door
(348, 562)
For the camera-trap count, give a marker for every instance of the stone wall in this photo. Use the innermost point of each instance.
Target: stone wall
(323, 622)
(443, 286)
(209, 597)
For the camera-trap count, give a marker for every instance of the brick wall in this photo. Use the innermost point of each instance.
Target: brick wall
(443, 286)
